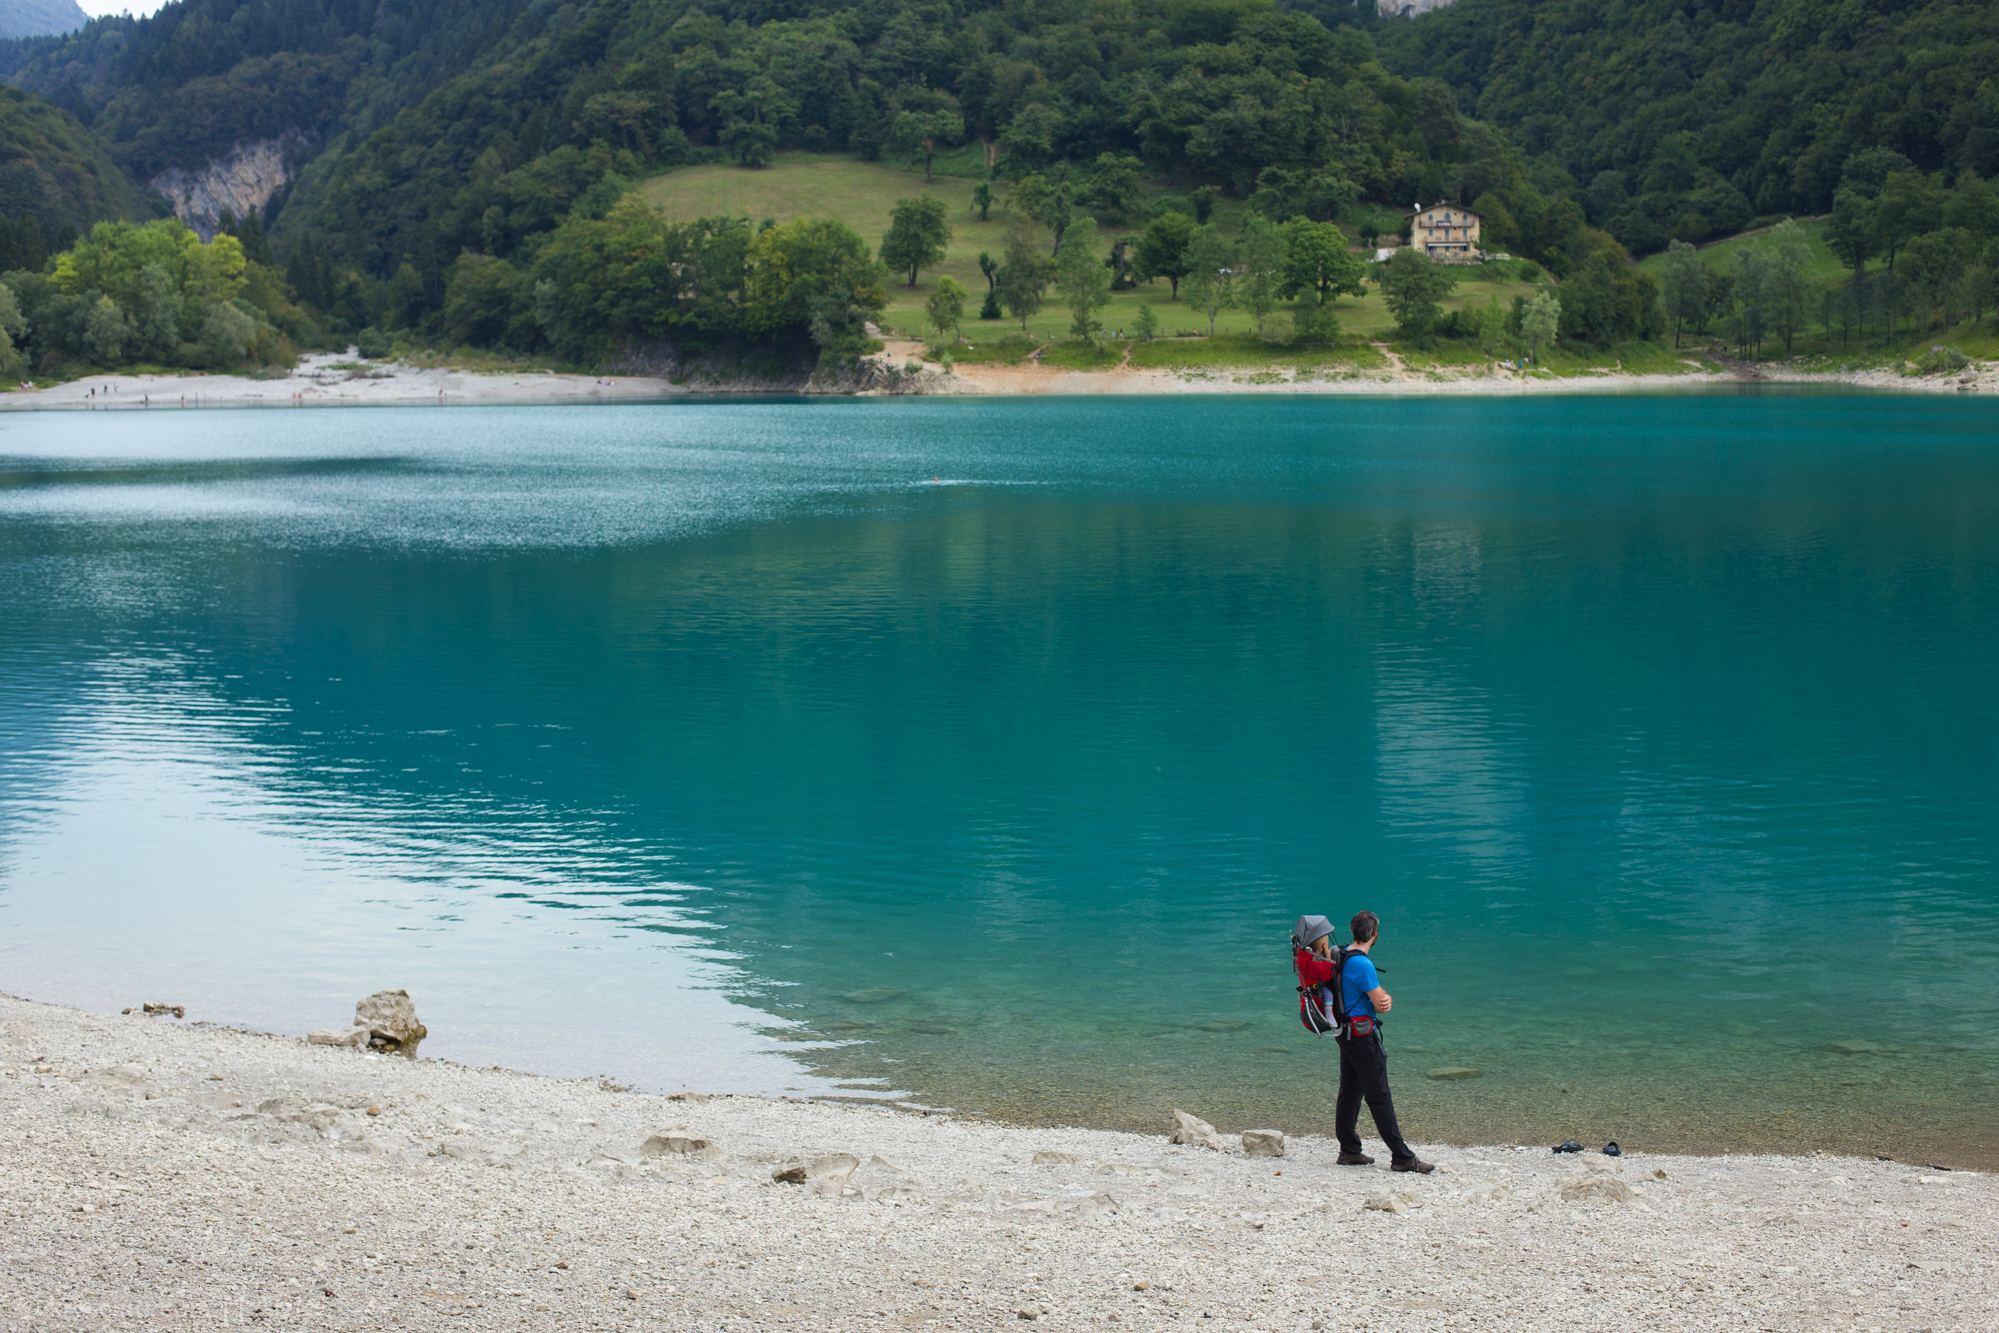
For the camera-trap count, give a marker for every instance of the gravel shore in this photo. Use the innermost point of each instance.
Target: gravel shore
(158, 1174)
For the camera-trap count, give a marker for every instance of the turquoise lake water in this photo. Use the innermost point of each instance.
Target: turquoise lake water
(982, 751)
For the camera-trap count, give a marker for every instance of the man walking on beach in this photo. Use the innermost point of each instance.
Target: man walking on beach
(1363, 1062)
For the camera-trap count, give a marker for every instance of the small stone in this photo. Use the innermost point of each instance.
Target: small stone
(351, 1036)
(390, 1017)
(1049, 1157)
(155, 1009)
(374, 1110)
(1262, 1143)
(1194, 1130)
(1453, 1072)
(1140, 1285)
(1028, 1314)
(1384, 1203)
(1658, 1173)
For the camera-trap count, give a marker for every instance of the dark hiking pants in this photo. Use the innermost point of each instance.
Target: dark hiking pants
(1364, 1074)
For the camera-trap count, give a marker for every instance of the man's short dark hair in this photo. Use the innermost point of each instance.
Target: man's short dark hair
(1364, 926)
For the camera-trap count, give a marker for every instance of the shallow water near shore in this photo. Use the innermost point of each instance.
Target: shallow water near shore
(984, 750)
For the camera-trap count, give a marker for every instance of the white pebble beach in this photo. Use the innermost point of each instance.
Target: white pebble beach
(161, 1174)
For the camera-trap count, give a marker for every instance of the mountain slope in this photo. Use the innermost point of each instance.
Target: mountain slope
(51, 169)
(1688, 118)
(193, 82)
(40, 18)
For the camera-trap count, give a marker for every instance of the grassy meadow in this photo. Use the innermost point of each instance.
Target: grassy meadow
(862, 194)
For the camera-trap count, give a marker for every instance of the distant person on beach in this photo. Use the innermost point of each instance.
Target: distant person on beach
(1363, 1060)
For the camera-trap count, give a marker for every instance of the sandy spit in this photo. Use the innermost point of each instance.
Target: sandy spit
(318, 383)
(162, 1175)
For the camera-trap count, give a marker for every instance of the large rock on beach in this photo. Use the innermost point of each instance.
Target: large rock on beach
(391, 1020)
(1262, 1143)
(1191, 1129)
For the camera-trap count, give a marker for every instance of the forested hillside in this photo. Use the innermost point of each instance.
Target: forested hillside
(467, 166)
(200, 76)
(55, 179)
(1690, 118)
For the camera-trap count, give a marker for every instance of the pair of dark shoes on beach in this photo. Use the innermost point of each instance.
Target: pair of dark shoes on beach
(1609, 1149)
(1416, 1164)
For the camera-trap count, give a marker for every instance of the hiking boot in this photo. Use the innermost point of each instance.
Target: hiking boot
(1416, 1164)
(1355, 1159)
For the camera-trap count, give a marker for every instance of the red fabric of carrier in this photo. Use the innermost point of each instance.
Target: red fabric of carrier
(1313, 972)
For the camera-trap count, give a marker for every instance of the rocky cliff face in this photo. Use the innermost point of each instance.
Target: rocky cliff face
(237, 183)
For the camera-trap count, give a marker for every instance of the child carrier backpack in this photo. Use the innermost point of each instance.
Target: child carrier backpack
(1319, 979)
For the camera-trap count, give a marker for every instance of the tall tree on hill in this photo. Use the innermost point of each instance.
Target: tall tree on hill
(1162, 251)
(918, 235)
(1318, 268)
(1790, 290)
(1263, 255)
(1047, 202)
(1210, 273)
(946, 306)
(1083, 278)
(1415, 288)
(1024, 275)
(1685, 288)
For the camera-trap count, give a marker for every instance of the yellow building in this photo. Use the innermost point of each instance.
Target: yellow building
(1445, 232)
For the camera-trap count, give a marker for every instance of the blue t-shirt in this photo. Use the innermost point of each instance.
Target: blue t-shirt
(1357, 978)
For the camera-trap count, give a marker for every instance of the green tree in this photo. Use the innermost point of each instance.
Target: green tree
(1115, 191)
(1263, 256)
(1047, 202)
(1540, 321)
(1414, 288)
(227, 334)
(917, 235)
(918, 134)
(1685, 287)
(982, 199)
(1789, 286)
(1849, 231)
(1024, 275)
(1318, 268)
(946, 306)
(1162, 252)
(1210, 276)
(1146, 321)
(751, 142)
(1083, 279)
(155, 312)
(1751, 279)
(1910, 203)
(1492, 328)
(815, 276)
(105, 331)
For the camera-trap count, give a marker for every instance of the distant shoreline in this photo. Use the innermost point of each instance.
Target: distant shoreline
(318, 383)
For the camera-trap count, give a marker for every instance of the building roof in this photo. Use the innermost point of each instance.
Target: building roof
(1459, 208)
